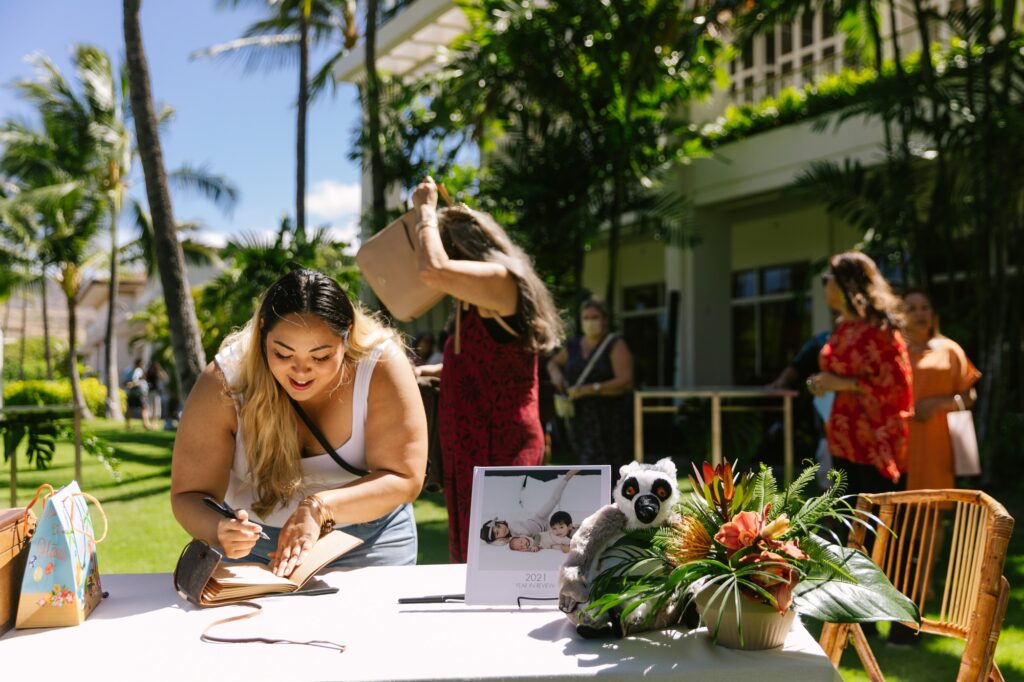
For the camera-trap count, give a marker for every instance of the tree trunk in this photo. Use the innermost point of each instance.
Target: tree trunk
(614, 238)
(110, 373)
(181, 313)
(379, 208)
(24, 335)
(76, 381)
(300, 136)
(46, 331)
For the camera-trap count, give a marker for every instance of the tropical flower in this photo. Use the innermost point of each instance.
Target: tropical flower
(739, 535)
(742, 531)
(689, 542)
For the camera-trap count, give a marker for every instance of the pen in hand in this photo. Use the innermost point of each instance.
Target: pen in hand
(224, 509)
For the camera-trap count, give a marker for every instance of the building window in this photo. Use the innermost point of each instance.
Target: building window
(790, 55)
(645, 329)
(771, 320)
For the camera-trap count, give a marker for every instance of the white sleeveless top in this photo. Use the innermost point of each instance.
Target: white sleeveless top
(319, 472)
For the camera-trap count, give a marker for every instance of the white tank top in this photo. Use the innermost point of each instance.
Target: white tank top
(319, 472)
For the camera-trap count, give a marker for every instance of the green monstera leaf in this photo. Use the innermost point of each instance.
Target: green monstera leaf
(871, 598)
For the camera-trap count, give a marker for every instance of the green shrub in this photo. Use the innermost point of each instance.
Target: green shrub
(35, 359)
(58, 392)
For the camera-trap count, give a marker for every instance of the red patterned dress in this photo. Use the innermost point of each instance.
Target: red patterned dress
(870, 427)
(489, 416)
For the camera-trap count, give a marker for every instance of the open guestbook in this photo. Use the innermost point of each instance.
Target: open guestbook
(203, 578)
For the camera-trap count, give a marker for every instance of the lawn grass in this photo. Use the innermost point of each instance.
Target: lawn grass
(144, 537)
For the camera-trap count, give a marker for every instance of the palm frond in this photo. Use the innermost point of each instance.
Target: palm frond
(256, 53)
(217, 188)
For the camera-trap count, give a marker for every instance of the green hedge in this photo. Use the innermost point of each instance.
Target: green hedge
(43, 392)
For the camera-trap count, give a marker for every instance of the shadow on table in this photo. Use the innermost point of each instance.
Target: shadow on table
(602, 653)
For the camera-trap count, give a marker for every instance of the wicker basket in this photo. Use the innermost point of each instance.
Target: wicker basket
(15, 532)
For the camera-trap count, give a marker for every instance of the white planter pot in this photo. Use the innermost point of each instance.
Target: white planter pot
(763, 626)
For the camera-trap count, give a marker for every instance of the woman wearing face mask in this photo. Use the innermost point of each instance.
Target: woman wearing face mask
(601, 429)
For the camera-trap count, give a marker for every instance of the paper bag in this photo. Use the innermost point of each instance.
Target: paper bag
(16, 528)
(388, 262)
(61, 585)
(964, 440)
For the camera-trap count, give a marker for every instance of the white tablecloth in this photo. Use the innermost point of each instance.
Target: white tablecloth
(144, 631)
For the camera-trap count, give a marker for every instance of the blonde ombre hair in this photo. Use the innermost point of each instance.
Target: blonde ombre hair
(267, 421)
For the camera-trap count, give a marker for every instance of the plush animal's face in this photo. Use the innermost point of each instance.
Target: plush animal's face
(646, 493)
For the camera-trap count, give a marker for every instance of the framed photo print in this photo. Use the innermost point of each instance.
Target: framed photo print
(521, 522)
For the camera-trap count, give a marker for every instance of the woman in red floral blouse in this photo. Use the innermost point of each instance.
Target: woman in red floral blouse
(865, 363)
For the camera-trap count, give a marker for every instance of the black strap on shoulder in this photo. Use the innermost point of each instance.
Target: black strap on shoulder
(355, 471)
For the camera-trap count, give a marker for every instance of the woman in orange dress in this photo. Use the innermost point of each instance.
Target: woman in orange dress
(944, 381)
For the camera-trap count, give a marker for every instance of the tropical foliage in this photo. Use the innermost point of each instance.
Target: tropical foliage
(253, 263)
(740, 537)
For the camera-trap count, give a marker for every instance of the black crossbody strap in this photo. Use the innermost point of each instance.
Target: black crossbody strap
(355, 471)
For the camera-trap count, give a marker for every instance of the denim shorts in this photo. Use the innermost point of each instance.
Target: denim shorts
(387, 541)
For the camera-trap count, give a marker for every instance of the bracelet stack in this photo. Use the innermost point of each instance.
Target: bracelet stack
(321, 511)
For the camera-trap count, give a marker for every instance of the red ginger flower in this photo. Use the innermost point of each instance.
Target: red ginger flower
(742, 531)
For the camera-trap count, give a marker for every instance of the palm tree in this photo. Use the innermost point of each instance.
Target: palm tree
(188, 349)
(289, 30)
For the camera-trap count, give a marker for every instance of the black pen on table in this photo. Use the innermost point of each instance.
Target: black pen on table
(224, 509)
(433, 599)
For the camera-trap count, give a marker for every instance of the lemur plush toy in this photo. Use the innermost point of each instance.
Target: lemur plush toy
(643, 498)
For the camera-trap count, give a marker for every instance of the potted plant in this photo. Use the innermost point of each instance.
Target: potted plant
(751, 557)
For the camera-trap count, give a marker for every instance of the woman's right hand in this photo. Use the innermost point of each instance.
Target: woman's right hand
(425, 194)
(237, 536)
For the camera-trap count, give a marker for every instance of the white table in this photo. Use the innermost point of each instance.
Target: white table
(143, 630)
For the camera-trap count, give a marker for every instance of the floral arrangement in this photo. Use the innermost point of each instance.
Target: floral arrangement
(737, 537)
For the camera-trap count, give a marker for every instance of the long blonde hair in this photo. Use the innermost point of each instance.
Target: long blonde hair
(267, 421)
(474, 235)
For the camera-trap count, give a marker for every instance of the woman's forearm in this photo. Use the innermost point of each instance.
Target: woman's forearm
(371, 497)
(196, 518)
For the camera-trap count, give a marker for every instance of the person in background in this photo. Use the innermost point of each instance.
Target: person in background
(504, 317)
(601, 430)
(796, 373)
(865, 362)
(307, 350)
(944, 381)
(137, 390)
(422, 348)
(156, 377)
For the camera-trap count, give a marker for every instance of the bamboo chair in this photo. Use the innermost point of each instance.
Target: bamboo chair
(975, 592)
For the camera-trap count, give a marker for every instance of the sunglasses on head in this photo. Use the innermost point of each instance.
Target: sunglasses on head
(825, 277)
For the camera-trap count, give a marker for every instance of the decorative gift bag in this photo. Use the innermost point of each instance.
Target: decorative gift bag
(62, 581)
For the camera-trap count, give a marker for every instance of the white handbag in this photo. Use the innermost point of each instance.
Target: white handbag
(965, 443)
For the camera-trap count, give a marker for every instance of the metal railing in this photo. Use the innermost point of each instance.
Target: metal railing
(716, 394)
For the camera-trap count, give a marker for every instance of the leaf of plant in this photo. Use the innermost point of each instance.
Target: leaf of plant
(873, 598)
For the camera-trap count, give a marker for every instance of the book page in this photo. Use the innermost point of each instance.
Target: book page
(327, 549)
(236, 575)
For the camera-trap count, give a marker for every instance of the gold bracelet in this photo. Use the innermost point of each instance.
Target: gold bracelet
(323, 514)
(425, 223)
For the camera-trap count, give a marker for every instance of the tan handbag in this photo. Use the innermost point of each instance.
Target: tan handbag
(388, 262)
(966, 461)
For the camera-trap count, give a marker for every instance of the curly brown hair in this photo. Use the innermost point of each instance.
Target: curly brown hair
(474, 235)
(866, 292)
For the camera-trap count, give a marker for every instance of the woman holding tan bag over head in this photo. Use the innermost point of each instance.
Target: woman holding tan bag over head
(505, 316)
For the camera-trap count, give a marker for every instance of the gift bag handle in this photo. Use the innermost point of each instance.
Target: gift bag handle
(103, 514)
(39, 490)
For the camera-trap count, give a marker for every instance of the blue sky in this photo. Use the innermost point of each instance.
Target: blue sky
(241, 124)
